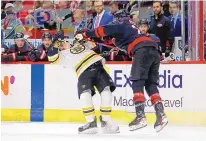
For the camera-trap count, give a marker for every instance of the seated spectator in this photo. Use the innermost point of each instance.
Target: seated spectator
(114, 7)
(65, 14)
(40, 54)
(78, 18)
(50, 17)
(18, 51)
(11, 24)
(175, 19)
(22, 8)
(18, 4)
(31, 18)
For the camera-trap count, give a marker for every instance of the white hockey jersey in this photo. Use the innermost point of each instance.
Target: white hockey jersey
(78, 58)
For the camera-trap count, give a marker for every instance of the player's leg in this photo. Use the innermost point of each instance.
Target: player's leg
(139, 73)
(85, 91)
(153, 92)
(105, 86)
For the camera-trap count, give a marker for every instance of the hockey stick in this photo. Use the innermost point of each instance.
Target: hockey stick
(26, 40)
(103, 44)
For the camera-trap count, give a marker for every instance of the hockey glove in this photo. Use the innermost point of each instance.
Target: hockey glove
(34, 55)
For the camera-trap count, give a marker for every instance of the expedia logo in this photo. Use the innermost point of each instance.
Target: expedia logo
(167, 79)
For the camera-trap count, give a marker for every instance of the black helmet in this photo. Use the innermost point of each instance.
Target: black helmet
(46, 35)
(144, 21)
(19, 35)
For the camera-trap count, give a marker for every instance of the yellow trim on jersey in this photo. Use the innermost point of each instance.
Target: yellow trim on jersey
(55, 62)
(85, 57)
(86, 63)
(53, 58)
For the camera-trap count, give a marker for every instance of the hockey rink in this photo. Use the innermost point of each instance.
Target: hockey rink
(66, 132)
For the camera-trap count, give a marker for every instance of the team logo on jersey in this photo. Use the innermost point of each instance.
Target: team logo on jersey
(77, 48)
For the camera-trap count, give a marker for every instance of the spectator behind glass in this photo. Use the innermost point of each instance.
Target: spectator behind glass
(166, 9)
(78, 18)
(18, 4)
(161, 27)
(64, 13)
(114, 7)
(91, 13)
(18, 51)
(175, 19)
(31, 17)
(52, 19)
(135, 16)
(102, 18)
(11, 24)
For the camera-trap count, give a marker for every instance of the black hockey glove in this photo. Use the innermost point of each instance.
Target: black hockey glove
(34, 55)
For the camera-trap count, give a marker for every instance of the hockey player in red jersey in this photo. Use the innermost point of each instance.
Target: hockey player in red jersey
(145, 67)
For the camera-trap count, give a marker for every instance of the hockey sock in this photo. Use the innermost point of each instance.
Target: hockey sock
(139, 101)
(155, 98)
(87, 106)
(157, 102)
(106, 103)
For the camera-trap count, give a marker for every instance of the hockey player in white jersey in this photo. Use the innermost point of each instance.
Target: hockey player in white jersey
(90, 72)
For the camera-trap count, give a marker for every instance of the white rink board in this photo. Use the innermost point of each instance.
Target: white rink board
(61, 88)
(19, 94)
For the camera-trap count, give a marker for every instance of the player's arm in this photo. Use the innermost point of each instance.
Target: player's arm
(112, 29)
(53, 54)
(12, 55)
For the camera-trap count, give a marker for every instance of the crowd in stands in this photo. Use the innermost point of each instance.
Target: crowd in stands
(37, 19)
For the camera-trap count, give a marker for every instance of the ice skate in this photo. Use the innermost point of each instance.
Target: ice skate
(138, 123)
(109, 126)
(161, 119)
(89, 128)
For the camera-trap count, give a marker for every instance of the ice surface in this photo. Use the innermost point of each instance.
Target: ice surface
(68, 132)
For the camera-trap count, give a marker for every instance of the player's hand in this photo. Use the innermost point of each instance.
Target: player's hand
(34, 55)
(8, 57)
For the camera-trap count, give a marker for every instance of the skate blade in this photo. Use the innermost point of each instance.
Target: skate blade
(136, 127)
(90, 131)
(159, 128)
(109, 131)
